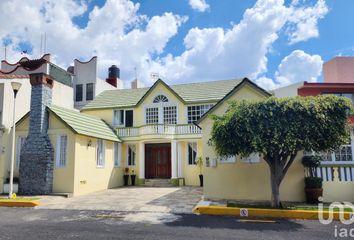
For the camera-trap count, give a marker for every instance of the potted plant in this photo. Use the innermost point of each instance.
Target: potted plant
(126, 176)
(199, 163)
(313, 184)
(133, 177)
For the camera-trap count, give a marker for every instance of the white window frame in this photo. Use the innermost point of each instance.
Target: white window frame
(252, 158)
(134, 149)
(228, 159)
(117, 154)
(58, 149)
(198, 105)
(196, 155)
(114, 119)
(18, 149)
(160, 107)
(98, 163)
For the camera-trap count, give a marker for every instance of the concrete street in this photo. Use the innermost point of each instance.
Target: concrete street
(17, 223)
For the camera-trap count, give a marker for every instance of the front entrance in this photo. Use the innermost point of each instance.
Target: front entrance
(158, 160)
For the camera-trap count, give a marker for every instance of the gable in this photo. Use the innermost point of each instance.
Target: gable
(160, 88)
(246, 90)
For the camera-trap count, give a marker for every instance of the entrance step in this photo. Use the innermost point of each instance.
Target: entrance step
(158, 183)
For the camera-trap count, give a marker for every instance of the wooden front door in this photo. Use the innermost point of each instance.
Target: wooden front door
(158, 160)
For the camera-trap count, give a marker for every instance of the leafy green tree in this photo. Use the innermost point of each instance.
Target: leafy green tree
(280, 128)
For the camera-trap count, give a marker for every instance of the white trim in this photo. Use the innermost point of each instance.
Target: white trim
(187, 153)
(131, 165)
(58, 151)
(98, 165)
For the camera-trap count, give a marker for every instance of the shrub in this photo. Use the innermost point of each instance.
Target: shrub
(313, 182)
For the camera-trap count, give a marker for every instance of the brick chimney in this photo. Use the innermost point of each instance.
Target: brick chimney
(37, 154)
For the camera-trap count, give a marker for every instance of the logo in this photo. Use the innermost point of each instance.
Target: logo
(341, 210)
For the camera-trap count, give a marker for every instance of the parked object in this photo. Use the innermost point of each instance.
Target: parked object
(313, 184)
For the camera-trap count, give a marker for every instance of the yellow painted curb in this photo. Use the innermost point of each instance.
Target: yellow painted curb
(12, 203)
(273, 213)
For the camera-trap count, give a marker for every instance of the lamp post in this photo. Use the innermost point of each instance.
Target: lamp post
(15, 87)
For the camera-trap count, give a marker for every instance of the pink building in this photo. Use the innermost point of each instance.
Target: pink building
(339, 70)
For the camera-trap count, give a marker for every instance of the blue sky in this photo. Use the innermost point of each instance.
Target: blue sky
(183, 43)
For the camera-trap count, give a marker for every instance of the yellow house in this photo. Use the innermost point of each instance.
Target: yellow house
(86, 151)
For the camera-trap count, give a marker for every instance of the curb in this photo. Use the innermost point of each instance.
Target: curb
(10, 203)
(273, 213)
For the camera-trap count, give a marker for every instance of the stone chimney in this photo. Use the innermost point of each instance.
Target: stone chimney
(37, 154)
(134, 84)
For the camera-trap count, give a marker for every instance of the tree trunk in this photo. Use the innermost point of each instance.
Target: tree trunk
(275, 183)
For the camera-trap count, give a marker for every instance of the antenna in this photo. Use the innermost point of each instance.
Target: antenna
(136, 75)
(41, 50)
(154, 76)
(5, 52)
(45, 43)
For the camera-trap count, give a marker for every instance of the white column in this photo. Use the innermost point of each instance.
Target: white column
(180, 160)
(174, 159)
(142, 160)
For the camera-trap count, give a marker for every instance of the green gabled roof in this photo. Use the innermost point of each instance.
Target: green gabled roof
(190, 93)
(84, 124)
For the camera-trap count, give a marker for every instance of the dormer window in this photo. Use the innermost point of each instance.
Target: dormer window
(160, 99)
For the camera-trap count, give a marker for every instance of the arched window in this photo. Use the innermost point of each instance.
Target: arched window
(160, 99)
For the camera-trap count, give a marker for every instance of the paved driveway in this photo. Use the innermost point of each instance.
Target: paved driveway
(174, 200)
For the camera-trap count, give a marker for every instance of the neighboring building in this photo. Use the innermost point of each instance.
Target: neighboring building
(287, 91)
(86, 83)
(339, 70)
(19, 72)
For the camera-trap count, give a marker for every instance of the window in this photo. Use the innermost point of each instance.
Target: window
(252, 158)
(170, 115)
(160, 99)
(19, 145)
(129, 118)
(192, 153)
(100, 153)
(89, 91)
(228, 159)
(131, 155)
(116, 154)
(344, 153)
(118, 117)
(61, 151)
(152, 115)
(196, 112)
(78, 95)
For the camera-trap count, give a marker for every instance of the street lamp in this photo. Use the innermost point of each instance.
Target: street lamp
(15, 87)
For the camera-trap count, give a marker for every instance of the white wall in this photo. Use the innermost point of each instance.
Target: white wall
(288, 91)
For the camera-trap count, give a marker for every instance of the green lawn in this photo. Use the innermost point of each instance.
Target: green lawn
(293, 207)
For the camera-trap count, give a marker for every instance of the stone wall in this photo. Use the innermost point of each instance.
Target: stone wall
(37, 154)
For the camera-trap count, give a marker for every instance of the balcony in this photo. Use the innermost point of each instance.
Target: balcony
(158, 129)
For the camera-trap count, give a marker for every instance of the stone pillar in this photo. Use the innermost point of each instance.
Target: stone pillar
(179, 160)
(37, 154)
(174, 159)
(141, 160)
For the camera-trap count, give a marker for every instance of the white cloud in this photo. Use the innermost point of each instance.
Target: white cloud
(199, 5)
(299, 66)
(305, 20)
(132, 40)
